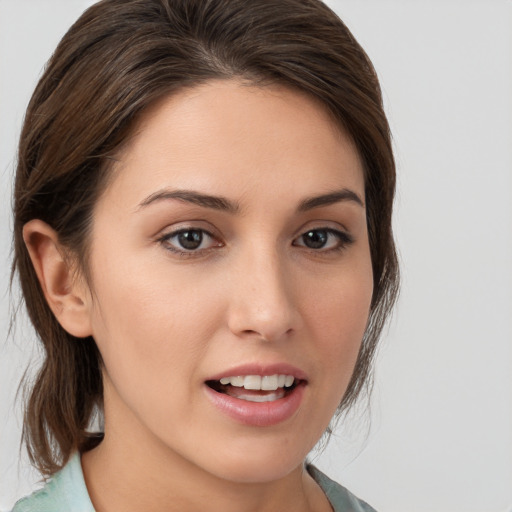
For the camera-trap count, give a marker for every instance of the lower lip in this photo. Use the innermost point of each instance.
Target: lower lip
(258, 414)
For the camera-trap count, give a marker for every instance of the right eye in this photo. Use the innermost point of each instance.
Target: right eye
(189, 240)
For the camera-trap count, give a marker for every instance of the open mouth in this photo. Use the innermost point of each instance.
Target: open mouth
(256, 388)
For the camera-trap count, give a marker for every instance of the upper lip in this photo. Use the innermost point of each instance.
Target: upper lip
(262, 370)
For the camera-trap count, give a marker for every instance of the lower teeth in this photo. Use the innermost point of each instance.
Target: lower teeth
(268, 397)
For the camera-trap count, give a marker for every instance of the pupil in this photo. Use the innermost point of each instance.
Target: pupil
(315, 239)
(190, 239)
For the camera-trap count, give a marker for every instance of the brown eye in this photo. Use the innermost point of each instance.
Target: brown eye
(189, 240)
(323, 239)
(315, 239)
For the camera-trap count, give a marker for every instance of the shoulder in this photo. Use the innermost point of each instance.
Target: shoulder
(341, 499)
(64, 492)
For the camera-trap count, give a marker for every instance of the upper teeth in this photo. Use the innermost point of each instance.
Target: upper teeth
(266, 383)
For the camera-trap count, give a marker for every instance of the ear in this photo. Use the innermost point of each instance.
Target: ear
(69, 300)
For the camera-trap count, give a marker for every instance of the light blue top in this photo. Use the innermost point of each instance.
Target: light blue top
(66, 492)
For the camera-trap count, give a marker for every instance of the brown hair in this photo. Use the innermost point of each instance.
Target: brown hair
(116, 60)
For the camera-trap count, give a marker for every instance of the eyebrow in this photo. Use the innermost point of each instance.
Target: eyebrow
(337, 196)
(189, 196)
(224, 204)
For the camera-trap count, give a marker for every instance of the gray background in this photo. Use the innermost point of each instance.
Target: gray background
(439, 435)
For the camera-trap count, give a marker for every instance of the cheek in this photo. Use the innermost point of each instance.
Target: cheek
(151, 344)
(149, 324)
(338, 315)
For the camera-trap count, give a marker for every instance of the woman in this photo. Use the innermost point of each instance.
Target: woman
(203, 239)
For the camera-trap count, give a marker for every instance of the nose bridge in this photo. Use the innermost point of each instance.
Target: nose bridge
(263, 303)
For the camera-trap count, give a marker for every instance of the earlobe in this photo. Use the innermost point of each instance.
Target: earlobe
(69, 302)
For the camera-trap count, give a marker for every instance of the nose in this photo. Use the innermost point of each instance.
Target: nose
(263, 302)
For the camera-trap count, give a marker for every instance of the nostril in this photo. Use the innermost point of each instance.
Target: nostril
(267, 335)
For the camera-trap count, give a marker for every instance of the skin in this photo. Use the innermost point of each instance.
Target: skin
(165, 320)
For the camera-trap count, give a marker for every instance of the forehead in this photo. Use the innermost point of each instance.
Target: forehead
(231, 138)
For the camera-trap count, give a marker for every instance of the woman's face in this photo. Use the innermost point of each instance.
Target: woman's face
(231, 279)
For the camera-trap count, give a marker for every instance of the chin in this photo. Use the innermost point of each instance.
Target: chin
(258, 462)
(257, 472)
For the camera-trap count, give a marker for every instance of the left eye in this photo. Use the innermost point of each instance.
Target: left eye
(323, 239)
(189, 240)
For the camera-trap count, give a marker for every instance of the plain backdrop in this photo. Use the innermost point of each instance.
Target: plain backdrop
(438, 437)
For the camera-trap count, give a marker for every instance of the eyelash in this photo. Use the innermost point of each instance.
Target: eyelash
(343, 241)
(165, 241)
